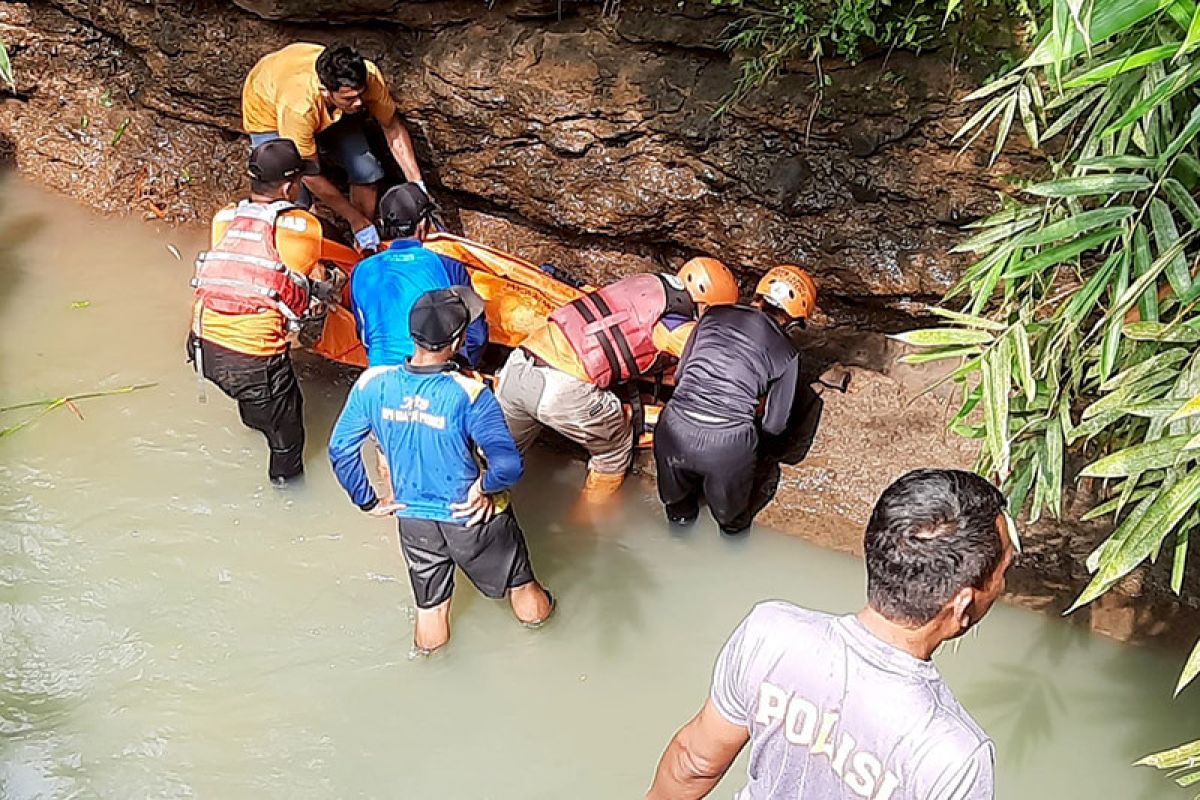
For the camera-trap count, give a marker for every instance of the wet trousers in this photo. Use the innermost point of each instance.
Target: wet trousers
(268, 397)
(532, 395)
(718, 462)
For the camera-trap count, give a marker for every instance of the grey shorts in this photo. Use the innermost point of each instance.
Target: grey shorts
(493, 555)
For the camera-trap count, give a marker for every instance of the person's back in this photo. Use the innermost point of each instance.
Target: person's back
(834, 712)
(428, 421)
(383, 289)
(739, 349)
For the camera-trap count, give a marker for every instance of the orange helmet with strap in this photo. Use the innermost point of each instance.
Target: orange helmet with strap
(709, 281)
(790, 289)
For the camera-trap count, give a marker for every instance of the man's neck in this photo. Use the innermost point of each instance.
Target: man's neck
(423, 358)
(265, 199)
(918, 642)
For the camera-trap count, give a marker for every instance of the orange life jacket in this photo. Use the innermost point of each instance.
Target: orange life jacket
(244, 273)
(612, 329)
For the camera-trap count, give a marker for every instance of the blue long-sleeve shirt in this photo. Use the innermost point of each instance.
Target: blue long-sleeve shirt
(430, 422)
(383, 289)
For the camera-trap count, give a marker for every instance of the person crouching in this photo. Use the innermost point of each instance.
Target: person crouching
(452, 462)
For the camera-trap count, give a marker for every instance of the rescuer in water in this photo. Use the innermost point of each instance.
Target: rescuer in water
(706, 440)
(384, 287)
(564, 375)
(453, 461)
(252, 289)
(321, 98)
(853, 706)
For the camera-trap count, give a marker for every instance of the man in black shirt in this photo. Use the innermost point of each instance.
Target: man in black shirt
(706, 441)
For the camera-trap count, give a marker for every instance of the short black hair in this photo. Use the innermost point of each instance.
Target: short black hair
(933, 532)
(341, 67)
(265, 187)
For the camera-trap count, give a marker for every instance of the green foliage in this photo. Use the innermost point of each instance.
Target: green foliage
(772, 33)
(6, 73)
(1091, 275)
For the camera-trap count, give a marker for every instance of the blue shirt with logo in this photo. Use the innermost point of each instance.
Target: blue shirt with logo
(430, 422)
(383, 289)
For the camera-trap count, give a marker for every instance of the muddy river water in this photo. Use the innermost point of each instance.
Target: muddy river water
(171, 626)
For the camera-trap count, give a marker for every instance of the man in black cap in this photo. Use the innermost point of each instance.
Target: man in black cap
(452, 463)
(384, 287)
(252, 288)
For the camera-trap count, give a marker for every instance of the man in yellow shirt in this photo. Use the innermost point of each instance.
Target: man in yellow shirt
(246, 304)
(320, 98)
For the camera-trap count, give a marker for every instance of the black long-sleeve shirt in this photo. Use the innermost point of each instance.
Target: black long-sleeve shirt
(736, 356)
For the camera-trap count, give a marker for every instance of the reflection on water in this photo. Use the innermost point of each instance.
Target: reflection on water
(173, 627)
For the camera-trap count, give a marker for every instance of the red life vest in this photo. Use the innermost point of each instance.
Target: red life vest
(612, 329)
(244, 273)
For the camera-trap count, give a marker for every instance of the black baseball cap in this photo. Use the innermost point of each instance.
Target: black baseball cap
(403, 207)
(279, 160)
(440, 316)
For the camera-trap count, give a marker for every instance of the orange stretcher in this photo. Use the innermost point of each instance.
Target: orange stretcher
(518, 297)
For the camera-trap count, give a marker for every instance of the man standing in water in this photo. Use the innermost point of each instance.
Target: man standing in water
(435, 427)
(252, 287)
(852, 706)
(320, 98)
(707, 438)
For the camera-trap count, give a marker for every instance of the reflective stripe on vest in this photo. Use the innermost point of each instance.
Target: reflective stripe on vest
(612, 330)
(244, 273)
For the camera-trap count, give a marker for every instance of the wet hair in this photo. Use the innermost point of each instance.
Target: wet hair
(394, 229)
(341, 68)
(933, 533)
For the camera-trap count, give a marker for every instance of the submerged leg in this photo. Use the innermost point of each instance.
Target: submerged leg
(532, 604)
(433, 627)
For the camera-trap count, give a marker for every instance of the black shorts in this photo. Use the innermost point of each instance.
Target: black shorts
(493, 556)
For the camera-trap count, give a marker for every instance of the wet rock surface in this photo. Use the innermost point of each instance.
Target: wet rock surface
(589, 128)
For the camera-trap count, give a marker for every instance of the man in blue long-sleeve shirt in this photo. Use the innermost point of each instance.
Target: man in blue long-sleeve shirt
(435, 426)
(384, 286)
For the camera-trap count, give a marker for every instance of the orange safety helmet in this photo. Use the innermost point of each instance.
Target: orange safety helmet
(709, 281)
(790, 289)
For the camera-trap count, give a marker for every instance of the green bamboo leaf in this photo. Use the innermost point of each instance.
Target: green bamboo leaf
(1153, 409)
(1077, 224)
(980, 119)
(1161, 518)
(6, 73)
(1178, 81)
(1120, 535)
(940, 354)
(969, 320)
(1190, 670)
(943, 337)
(1085, 299)
(1184, 203)
(993, 87)
(1053, 470)
(1165, 235)
(1106, 20)
(1142, 262)
(1164, 361)
(1179, 561)
(1111, 69)
(1110, 347)
(1161, 332)
(1068, 117)
(1090, 185)
(1145, 281)
(1164, 452)
(997, 378)
(1192, 38)
(1010, 110)
(989, 237)
(1061, 253)
(1188, 409)
(982, 292)
(1119, 162)
(1181, 756)
(1028, 118)
(1024, 362)
(1020, 482)
(1109, 506)
(1183, 138)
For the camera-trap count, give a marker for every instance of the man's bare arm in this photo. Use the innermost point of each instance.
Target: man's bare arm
(698, 756)
(401, 146)
(329, 194)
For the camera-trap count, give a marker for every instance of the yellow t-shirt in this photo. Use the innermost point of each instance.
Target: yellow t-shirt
(298, 239)
(283, 94)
